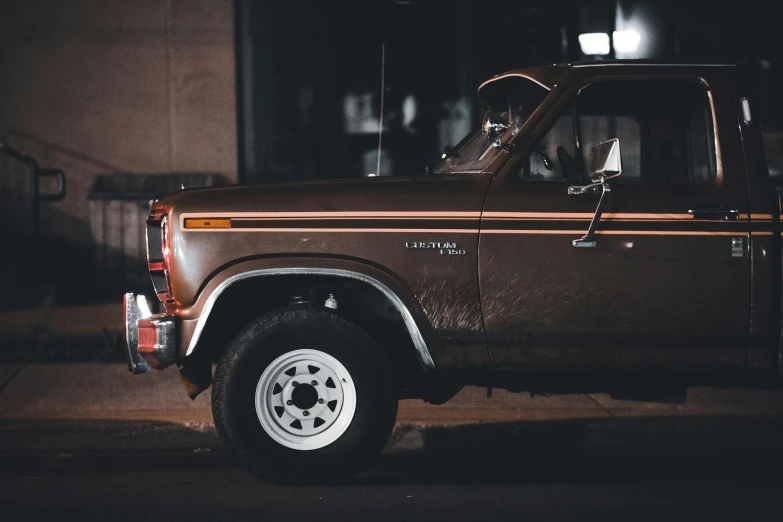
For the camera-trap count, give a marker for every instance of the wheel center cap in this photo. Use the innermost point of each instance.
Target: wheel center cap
(304, 396)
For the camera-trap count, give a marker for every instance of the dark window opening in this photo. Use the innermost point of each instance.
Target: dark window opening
(555, 157)
(665, 128)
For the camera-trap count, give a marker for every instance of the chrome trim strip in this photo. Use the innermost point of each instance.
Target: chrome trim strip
(161, 328)
(503, 76)
(642, 63)
(136, 363)
(410, 323)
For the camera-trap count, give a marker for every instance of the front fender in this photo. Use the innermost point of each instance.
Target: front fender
(193, 319)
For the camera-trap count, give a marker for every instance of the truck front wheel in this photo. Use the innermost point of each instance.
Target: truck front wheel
(302, 395)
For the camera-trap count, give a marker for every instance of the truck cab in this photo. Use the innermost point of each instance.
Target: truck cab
(680, 274)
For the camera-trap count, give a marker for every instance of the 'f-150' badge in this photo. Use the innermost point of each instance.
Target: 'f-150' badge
(445, 249)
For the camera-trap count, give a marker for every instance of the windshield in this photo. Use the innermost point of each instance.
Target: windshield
(512, 100)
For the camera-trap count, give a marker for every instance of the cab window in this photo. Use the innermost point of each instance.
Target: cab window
(554, 158)
(665, 128)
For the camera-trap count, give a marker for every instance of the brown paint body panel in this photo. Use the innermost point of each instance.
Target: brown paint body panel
(327, 224)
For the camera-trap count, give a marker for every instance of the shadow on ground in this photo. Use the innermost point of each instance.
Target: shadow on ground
(619, 450)
(655, 449)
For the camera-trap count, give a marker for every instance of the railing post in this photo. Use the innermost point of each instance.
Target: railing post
(35, 175)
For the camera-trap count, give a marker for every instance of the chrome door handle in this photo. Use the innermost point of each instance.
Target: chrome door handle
(715, 214)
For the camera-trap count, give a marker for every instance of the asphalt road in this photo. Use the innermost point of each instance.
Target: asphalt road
(91, 442)
(651, 469)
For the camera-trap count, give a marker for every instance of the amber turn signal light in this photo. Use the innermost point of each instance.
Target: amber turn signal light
(207, 223)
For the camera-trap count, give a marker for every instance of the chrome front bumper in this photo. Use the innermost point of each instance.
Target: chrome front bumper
(150, 340)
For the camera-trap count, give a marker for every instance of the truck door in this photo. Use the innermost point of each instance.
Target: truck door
(667, 283)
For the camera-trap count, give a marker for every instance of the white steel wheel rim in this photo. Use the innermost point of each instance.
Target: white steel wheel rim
(305, 399)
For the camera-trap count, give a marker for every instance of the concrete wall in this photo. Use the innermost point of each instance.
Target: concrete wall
(96, 86)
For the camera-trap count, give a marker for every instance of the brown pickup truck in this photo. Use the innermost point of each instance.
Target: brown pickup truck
(612, 227)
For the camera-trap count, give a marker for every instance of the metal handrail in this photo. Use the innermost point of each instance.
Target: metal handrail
(36, 173)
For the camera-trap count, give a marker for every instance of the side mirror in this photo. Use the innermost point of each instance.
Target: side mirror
(493, 126)
(605, 161)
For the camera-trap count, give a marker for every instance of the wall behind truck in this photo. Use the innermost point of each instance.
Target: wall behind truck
(309, 71)
(95, 87)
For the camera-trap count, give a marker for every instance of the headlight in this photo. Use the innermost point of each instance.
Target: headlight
(159, 255)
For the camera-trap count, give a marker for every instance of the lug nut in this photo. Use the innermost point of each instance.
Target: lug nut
(289, 402)
(314, 383)
(305, 413)
(320, 401)
(294, 383)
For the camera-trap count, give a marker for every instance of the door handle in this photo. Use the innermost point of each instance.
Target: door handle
(714, 214)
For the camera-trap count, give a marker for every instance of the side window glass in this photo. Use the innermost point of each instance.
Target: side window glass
(597, 128)
(554, 157)
(665, 129)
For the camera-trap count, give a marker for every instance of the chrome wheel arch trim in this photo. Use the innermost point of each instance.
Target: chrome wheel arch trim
(410, 323)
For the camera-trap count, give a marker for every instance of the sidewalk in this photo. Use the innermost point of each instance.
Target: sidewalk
(64, 321)
(100, 404)
(108, 391)
(51, 334)
(102, 407)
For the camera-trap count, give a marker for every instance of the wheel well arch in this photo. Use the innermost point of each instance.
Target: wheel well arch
(361, 298)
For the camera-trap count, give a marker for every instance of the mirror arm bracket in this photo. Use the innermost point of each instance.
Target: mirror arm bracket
(498, 144)
(576, 190)
(588, 240)
(605, 163)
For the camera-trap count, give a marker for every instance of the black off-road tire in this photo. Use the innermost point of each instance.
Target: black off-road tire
(282, 331)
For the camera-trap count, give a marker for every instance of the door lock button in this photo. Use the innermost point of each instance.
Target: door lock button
(737, 247)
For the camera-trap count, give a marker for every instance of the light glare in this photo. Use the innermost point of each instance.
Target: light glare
(594, 43)
(626, 41)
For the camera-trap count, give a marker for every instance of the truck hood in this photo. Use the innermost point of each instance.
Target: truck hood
(420, 193)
